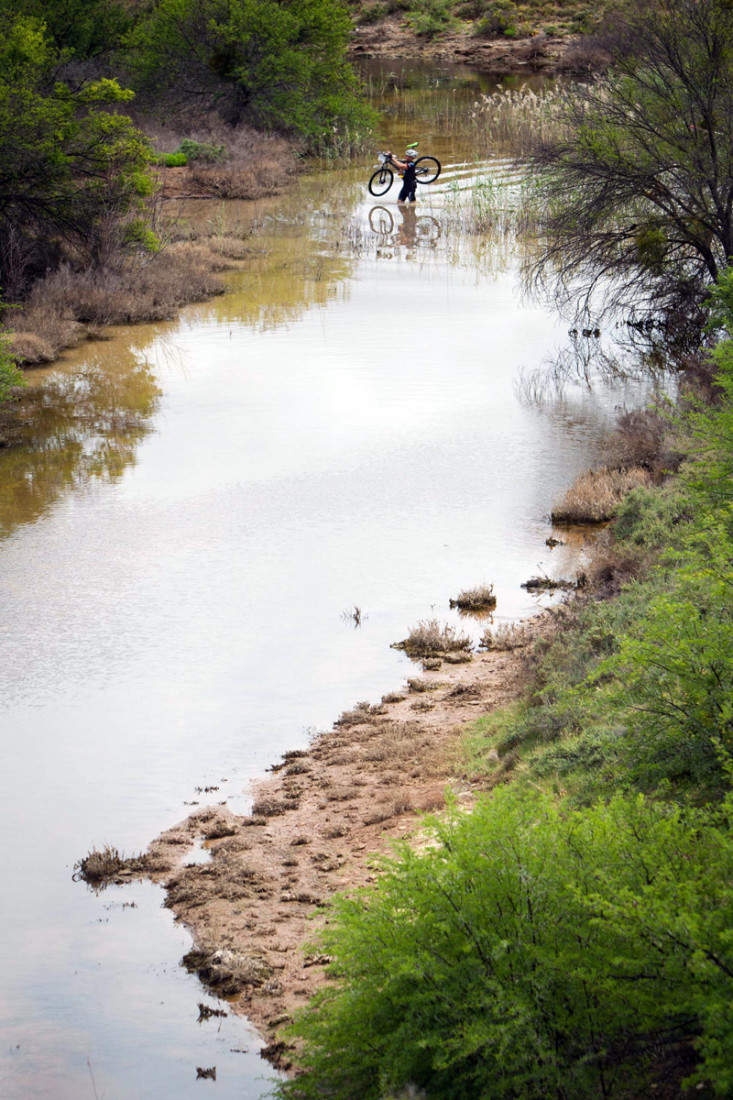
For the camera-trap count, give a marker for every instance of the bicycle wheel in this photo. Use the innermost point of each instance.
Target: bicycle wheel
(381, 221)
(427, 169)
(381, 181)
(427, 228)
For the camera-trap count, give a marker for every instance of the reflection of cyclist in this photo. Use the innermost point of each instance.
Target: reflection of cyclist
(409, 183)
(406, 232)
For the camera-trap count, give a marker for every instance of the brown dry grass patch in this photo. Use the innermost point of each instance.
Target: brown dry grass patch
(431, 639)
(595, 495)
(102, 866)
(505, 637)
(481, 598)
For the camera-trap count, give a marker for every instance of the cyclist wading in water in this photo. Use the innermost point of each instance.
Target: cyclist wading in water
(407, 167)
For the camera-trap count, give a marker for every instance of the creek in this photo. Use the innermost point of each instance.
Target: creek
(195, 506)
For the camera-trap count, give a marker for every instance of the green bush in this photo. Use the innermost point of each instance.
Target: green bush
(275, 64)
(78, 28)
(431, 17)
(72, 170)
(530, 951)
(499, 18)
(10, 376)
(202, 152)
(373, 13)
(173, 160)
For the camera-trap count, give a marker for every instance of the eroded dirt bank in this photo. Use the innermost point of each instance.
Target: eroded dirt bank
(315, 824)
(392, 40)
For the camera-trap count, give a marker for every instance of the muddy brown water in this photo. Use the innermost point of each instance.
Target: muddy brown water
(195, 507)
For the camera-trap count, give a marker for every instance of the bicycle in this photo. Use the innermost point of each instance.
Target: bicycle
(427, 170)
(381, 223)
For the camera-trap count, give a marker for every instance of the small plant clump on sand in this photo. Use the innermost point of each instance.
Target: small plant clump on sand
(431, 639)
(595, 495)
(101, 867)
(550, 584)
(505, 637)
(481, 598)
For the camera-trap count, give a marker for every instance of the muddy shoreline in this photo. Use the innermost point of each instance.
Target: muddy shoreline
(315, 826)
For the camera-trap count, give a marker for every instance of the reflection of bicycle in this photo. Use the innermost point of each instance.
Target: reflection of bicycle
(427, 169)
(413, 229)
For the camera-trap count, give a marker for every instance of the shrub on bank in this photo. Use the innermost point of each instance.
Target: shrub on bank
(10, 376)
(562, 939)
(73, 171)
(276, 64)
(530, 950)
(173, 160)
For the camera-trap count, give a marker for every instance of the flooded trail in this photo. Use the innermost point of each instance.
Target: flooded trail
(195, 506)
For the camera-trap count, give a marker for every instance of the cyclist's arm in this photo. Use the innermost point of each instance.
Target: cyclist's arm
(397, 163)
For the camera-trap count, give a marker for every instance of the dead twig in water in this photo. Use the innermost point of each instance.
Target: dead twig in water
(353, 615)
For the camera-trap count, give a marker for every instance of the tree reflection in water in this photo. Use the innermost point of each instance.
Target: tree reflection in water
(72, 427)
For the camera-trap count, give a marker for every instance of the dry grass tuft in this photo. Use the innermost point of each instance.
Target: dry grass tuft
(430, 639)
(362, 712)
(481, 598)
(269, 807)
(232, 182)
(418, 685)
(68, 305)
(386, 810)
(30, 348)
(393, 697)
(101, 867)
(431, 800)
(505, 637)
(593, 497)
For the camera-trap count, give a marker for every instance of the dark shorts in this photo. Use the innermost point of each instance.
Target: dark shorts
(407, 192)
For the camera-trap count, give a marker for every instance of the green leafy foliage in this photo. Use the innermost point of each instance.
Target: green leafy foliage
(431, 17)
(10, 376)
(173, 160)
(530, 951)
(71, 168)
(277, 64)
(80, 29)
(498, 18)
(672, 675)
(202, 152)
(570, 936)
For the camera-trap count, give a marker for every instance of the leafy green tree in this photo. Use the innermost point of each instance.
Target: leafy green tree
(641, 182)
(530, 951)
(78, 29)
(277, 64)
(73, 172)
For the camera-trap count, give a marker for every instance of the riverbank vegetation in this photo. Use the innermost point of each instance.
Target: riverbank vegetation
(640, 187)
(500, 19)
(570, 935)
(94, 95)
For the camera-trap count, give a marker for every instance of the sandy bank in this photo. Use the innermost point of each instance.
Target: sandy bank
(315, 824)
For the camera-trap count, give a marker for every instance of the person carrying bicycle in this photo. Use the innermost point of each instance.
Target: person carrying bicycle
(407, 168)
